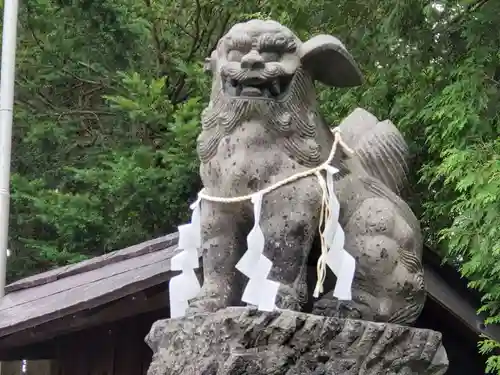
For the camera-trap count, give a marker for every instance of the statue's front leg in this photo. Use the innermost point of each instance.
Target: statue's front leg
(223, 241)
(290, 219)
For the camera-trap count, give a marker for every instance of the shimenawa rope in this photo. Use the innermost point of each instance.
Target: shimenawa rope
(325, 212)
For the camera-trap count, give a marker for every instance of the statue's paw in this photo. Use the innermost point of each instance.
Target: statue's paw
(200, 305)
(289, 298)
(333, 308)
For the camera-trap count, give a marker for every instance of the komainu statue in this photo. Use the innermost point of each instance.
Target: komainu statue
(286, 198)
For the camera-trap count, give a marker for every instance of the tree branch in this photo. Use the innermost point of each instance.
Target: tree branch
(222, 31)
(181, 80)
(162, 60)
(471, 8)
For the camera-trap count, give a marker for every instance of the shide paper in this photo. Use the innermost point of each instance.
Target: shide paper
(185, 286)
(338, 259)
(256, 266)
(260, 291)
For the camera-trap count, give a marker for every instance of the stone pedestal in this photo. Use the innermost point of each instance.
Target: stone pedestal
(237, 341)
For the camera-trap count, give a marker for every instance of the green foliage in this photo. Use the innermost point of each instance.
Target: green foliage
(109, 95)
(488, 346)
(440, 83)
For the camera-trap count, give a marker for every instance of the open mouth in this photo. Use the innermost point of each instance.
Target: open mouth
(258, 88)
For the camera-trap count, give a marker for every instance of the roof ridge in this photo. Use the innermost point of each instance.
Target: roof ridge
(133, 251)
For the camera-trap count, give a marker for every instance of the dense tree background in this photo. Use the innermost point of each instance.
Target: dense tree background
(109, 94)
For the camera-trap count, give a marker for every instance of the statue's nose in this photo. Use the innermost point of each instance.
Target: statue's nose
(252, 60)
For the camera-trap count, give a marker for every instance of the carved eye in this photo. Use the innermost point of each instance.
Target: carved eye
(280, 40)
(284, 44)
(234, 55)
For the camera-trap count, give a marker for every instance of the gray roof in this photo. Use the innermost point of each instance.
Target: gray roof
(64, 291)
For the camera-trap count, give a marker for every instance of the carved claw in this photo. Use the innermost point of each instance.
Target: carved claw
(289, 298)
(334, 308)
(201, 305)
(212, 298)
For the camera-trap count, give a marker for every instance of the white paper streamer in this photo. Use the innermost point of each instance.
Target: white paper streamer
(338, 259)
(256, 266)
(185, 286)
(260, 291)
(255, 242)
(268, 295)
(254, 287)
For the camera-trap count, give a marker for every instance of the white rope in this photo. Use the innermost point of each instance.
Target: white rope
(325, 212)
(321, 265)
(254, 264)
(337, 141)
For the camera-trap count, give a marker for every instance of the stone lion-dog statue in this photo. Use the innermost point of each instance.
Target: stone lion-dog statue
(263, 125)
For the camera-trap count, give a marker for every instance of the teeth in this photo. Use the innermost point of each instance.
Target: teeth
(269, 90)
(275, 88)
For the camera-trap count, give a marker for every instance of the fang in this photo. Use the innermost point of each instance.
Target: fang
(275, 88)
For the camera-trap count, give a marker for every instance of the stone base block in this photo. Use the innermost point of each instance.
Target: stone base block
(237, 341)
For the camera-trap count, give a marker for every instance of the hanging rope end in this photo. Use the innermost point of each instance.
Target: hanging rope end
(317, 290)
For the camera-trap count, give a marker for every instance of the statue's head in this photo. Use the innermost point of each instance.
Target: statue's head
(259, 60)
(263, 73)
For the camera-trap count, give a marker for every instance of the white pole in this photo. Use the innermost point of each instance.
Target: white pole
(7, 79)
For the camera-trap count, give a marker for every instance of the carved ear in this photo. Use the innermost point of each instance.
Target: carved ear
(209, 64)
(328, 61)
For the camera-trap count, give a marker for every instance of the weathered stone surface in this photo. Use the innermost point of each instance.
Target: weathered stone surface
(262, 125)
(237, 341)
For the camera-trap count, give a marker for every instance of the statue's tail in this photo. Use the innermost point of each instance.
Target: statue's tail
(380, 146)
